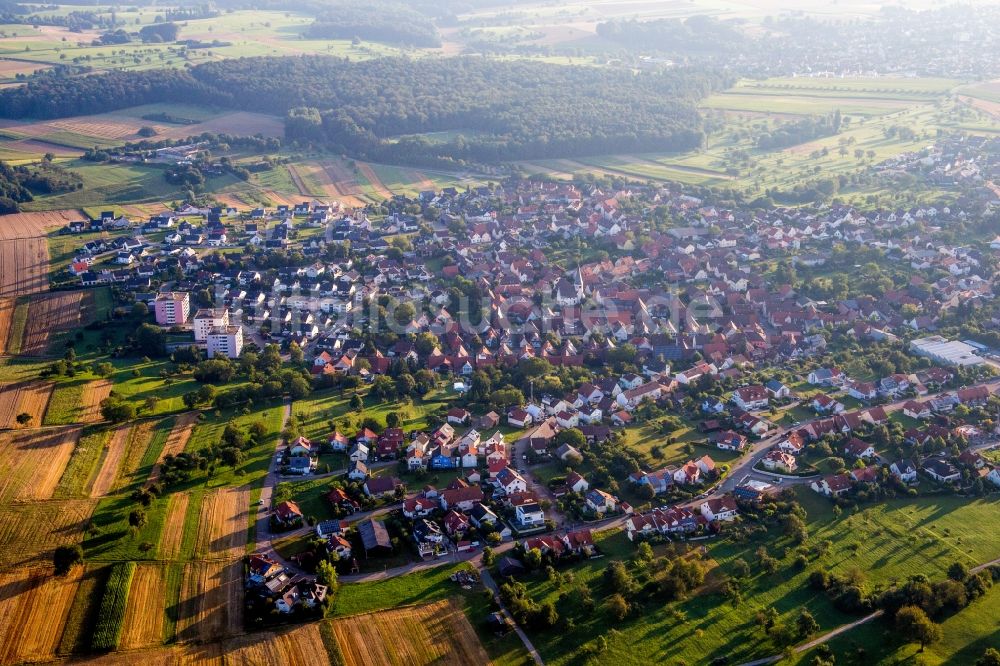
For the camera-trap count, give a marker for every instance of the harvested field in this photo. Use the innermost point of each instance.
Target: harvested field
(376, 182)
(6, 313)
(36, 225)
(90, 403)
(176, 441)
(111, 459)
(52, 314)
(437, 633)
(211, 601)
(172, 535)
(222, 531)
(135, 448)
(33, 611)
(29, 532)
(30, 397)
(34, 461)
(24, 265)
(144, 613)
(242, 123)
(296, 646)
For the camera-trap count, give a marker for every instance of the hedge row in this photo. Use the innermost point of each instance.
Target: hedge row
(108, 632)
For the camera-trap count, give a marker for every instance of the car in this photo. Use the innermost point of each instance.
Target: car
(777, 479)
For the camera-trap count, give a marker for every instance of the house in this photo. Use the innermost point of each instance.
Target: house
(358, 471)
(288, 513)
(777, 390)
(917, 410)
(301, 465)
(338, 442)
(994, 476)
(418, 507)
(566, 452)
(519, 418)
(824, 404)
(460, 496)
(300, 447)
(600, 502)
(528, 511)
(857, 448)
(481, 516)
(862, 390)
(359, 453)
(340, 499)
(381, 486)
(719, 509)
(689, 473)
(825, 377)
(374, 536)
(661, 480)
(904, 470)
(456, 524)
(576, 483)
(458, 416)
(779, 461)
(751, 398)
(510, 481)
(942, 470)
(833, 485)
(728, 440)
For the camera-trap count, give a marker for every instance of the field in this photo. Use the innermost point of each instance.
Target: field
(211, 601)
(33, 610)
(143, 625)
(30, 532)
(30, 398)
(35, 225)
(173, 527)
(33, 462)
(222, 530)
(90, 401)
(7, 306)
(24, 266)
(436, 633)
(53, 314)
(111, 459)
(178, 438)
(301, 645)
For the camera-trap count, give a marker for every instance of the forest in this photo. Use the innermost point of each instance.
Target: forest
(18, 183)
(501, 110)
(388, 22)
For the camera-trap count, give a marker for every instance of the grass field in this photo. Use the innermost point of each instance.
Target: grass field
(884, 542)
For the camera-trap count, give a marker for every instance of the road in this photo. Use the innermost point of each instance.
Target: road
(263, 531)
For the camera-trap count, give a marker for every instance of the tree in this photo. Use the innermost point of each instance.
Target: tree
(958, 572)
(295, 353)
(150, 340)
(137, 519)
(384, 388)
(913, 626)
(116, 410)
(488, 557)
(66, 557)
(392, 419)
(326, 574)
(571, 436)
(990, 658)
(617, 607)
(806, 624)
(233, 456)
(356, 402)
(24, 418)
(140, 310)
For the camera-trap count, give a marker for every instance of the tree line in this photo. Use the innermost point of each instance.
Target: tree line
(389, 22)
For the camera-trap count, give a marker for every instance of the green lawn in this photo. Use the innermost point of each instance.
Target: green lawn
(83, 463)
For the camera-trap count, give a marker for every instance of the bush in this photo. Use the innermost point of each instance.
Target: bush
(108, 631)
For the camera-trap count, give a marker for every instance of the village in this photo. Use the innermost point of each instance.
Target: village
(553, 358)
